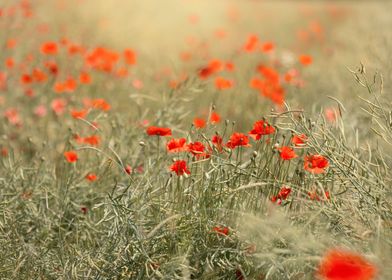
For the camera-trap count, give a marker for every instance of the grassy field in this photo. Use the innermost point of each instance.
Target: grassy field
(195, 139)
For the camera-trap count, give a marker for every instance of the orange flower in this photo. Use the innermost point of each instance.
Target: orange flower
(251, 43)
(199, 122)
(79, 114)
(222, 83)
(315, 164)
(91, 177)
(286, 153)
(92, 140)
(49, 48)
(130, 56)
(179, 167)
(159, 131)
(71, 156)
(305, 59)
(85, 78)
(338, 264)
(176, 145)
(238, 139)
(58, 106)
(267, 47)
(330, 115)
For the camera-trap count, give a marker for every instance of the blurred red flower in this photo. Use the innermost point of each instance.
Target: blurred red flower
(338, 264)
(158, 131)
(286, 153)
(238, 139)
(71, 156)
(176, 145)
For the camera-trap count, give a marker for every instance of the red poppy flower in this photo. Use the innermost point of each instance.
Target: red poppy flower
(238, 139)
(176, 145)
(130, 56)
(299, 140)
(221, 230)
(199, 122)
(92, 140)
(286, 153)
(179, 167)
(197, 149)
(58, 105)
(128, 169)
(84, 210)
(222, 83)
(338, 264)
(215, 118)
(79, 114)
(330, 115)
(71, 156)
(261, 128)
(315, 164)
(159, 131)
(305, 59)
(282, 195)
(91, 177)
(85, 78)
(49, 48)
(267, 47)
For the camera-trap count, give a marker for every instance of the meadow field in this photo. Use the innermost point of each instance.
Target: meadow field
(195, 139)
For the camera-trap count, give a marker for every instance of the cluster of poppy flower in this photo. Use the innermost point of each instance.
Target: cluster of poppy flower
(314, 163)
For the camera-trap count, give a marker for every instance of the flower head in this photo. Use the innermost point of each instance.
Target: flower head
(315, 164)
(238, 139)
(339, 264)
(179, 167)
(71, 156)
(286, 153)
(261, 128)
(159, 131)
(176, 145)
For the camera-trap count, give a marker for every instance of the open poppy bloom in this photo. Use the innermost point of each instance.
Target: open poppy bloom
(71, 156)
(286, 153)
(261, 128)
(179, 167)
(238, 139)
(299, 140)
(197, 149)
(305, 59)
(158, 131)
(176, 145)
(338, 264)
(315, 164)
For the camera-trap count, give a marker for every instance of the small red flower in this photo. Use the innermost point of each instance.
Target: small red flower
(238, 139)
(71, 156)
(282, 195)
(217, 141)
(197, 149)
(305, 59)
(158, 131)
(199, 122)
(261, 128)
(315, 164)
(214, 118)
(128, 169)
(286, 153)
(49, 48)
(84, 210)
(179, 167)
(221, 230)
(299, 140)
(176, 145)
(338, 264)
(91, 177)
